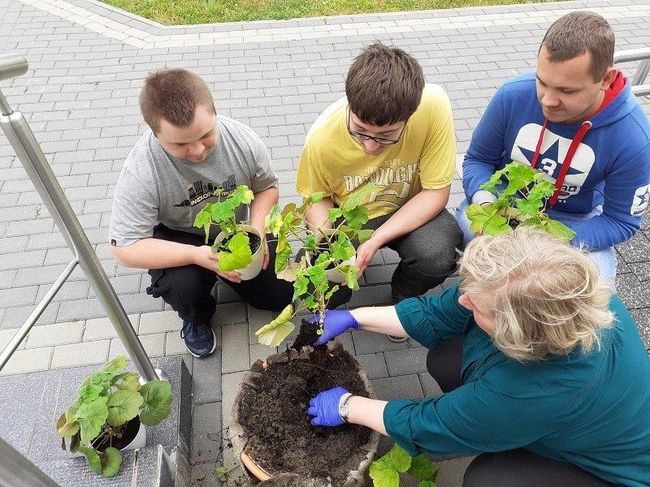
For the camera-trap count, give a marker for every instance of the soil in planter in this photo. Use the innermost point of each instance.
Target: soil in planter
(253, 241)
(127, 436)
(273, 410)
(307, 335)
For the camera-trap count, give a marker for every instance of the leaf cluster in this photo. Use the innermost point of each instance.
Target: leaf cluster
(385, 471)
(331, 247)
(106, 402)
(234, 250)
(522, 193)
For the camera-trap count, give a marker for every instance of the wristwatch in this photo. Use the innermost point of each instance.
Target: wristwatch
(344, 407)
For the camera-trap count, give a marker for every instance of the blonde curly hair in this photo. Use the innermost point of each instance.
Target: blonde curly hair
(548, 296)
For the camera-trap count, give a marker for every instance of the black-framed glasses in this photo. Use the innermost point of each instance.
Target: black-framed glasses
(379, 140)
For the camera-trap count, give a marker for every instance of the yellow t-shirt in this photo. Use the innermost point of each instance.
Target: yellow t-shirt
(425, 157)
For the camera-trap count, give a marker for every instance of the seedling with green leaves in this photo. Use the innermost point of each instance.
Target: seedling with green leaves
(385, 471)
(522, 193)
(325, 249)
(234, 250)
(106, 402)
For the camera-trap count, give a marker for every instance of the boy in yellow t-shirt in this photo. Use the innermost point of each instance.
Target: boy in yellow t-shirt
(393, 131)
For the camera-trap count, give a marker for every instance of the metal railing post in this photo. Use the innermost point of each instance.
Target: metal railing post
(39, 171)
(643, 55)
(15, 469)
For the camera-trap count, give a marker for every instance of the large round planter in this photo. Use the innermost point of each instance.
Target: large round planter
(356, 462)
(255, 267)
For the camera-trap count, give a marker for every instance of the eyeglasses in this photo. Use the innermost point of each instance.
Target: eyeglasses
(379, 140)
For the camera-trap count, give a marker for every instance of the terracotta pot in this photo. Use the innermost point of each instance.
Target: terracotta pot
(255, 267)
(239, 435)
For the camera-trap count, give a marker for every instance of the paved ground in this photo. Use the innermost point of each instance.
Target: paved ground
(87, 63)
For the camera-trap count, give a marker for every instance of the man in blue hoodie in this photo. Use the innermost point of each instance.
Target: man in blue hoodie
(576, 119)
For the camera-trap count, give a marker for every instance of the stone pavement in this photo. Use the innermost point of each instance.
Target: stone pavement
(87, 64)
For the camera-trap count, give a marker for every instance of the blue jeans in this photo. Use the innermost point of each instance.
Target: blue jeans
(604, 259)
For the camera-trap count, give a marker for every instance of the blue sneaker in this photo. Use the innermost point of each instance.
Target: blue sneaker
(199, 339)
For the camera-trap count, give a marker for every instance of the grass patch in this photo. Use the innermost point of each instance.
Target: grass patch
(176, 12)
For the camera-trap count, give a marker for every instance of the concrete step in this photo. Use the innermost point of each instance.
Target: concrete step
(32, 403)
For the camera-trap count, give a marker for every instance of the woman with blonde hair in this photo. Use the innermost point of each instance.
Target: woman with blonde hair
(543, 372)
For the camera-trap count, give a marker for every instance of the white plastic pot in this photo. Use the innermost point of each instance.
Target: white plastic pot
(255, 267)
(140, 440)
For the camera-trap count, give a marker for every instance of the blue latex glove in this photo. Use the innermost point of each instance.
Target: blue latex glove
(336, 322)
(324, 407)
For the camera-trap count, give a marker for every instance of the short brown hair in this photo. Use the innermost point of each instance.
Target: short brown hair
(173, 94)
(578, 32)
(384, 85)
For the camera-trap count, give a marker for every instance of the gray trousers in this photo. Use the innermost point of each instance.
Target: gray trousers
(427, 257)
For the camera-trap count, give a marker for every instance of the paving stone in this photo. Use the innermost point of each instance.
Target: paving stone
(206, 432)
(174, 344)
(230, 388)
(402, 387)
(7, 335)
(369, 342)
(227, 314)
(374, 364)
(430, 387)
(207, 378)
(102, 328)
(406, 361)
(159, 322)
(26, 361)
(55, 334)
(154, 346)
(234, 344)
(76, 354)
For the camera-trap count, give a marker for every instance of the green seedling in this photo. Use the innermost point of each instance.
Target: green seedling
(385, 471)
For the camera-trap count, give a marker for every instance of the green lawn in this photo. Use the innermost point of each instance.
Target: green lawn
(175, 12)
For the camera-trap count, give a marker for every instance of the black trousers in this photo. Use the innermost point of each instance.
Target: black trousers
(513, 468)
(427, 257)
(187, 289)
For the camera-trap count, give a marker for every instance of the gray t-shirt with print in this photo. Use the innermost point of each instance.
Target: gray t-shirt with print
(155, 187)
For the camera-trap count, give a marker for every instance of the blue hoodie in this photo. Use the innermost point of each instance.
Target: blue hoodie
(611, 166)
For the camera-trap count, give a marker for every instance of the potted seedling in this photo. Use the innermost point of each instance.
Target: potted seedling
(239, 246)
(385, 471)
(109, 413)
(522, 194)
(327, 261)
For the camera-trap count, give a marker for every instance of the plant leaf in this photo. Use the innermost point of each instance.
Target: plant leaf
(274, 337)
(422, 468)
(221, 473)
(364, 235)
(558, 229)
(300, 286)
(316, 197)
(342, 248)
(427, 483)
(383, 475)
(111, 461)
(157, 396)
(66, 428)
(92, 457)
(115, 366)
(128, 381)
(91, 417)
(398, 458)
(359, 197)
(123, 405)
(240, 254)
(285, 315)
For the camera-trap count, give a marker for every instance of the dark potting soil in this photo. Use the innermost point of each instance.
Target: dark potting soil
(253, 241)
(127, 435)
(273, 410)
(307, 335)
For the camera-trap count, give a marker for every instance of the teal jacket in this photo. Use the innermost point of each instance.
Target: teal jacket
(588, 409)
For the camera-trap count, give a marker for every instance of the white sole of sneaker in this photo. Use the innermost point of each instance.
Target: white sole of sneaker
(214, 347)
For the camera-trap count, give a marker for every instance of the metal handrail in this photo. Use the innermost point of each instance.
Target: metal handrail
(39, 171)
(15, 469)
(642, 54)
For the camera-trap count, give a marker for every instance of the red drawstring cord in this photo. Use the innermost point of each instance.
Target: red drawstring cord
(566, 164)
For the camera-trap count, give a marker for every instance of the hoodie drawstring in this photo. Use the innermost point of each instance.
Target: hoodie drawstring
(566, 164)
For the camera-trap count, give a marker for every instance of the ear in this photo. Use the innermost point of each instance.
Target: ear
(609, 77)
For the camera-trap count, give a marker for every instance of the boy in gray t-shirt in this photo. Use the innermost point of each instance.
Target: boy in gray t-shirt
(167, 178)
